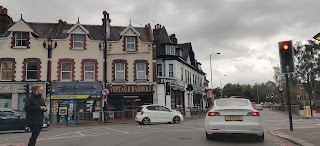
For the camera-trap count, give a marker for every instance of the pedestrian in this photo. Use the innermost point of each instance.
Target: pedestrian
(35, 108)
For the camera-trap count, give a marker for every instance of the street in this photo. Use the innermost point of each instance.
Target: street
(190, 133)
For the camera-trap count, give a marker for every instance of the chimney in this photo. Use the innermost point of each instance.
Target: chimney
(5, 20)
(173, 39)
(107, 17)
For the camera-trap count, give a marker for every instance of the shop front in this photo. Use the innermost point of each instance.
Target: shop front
(75, 100)
(13, 94)
(126, 99)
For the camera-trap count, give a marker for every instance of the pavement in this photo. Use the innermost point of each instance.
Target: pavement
(188, 133)
(306, 130)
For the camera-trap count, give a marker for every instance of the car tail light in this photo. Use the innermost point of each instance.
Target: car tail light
(254, 114)
(212, 114)
(142, 112)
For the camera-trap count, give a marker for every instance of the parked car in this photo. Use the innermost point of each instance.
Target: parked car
(16, 120)
(148, 114)
(233, 116)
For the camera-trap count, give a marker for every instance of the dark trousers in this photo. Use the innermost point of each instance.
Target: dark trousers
(35, 129)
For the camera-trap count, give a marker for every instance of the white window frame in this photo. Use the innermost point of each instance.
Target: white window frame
(171, 70)
(27, 63)
(144, 72)
(21, 39)
(1, 70)
(159, 70)
(129, 42)
(90, 71)
(170, 50)
(77, 41)
(66, 71)
(116, 70)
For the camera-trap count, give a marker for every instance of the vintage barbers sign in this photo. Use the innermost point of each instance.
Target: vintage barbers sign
(130, 89)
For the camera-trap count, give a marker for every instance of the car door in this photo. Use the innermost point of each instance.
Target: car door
(2, 121)
(153, 113)
(165, 114)
(8, 120)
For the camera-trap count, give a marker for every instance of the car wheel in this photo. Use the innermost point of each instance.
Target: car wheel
(146, 121)
(209, 137)
(259, 138)
(176, 119)
(27, 129)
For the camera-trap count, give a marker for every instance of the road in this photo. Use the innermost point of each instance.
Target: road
(188, 133)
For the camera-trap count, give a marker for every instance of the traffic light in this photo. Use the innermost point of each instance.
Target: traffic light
(27, 89)
(272, 96)
(298, 97)
(267, 96)
(168, 88)
(286, 56)
(48, 88)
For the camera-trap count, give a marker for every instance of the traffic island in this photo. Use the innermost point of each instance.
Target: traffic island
(300, 136)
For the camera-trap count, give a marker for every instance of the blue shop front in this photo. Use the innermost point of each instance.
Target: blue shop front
(74, 101)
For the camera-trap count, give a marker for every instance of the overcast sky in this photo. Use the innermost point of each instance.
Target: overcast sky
(245, 32)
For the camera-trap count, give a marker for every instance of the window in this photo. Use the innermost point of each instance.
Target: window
(89, 71)
(186, 79)
(130, 43)
(66, 71)
(119, 71)
(21, 39)
(190, 77)
(159, 69)
(170, 50)
(78, 41)
(6, 70)
(170, 70)
(141, 71)
(32, 70)
(181, 74)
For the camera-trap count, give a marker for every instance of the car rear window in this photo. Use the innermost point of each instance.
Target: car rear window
(139, 109)
(232, 103)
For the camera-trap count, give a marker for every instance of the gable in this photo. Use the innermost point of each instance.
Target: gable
(22, 26)
(130, 31)
(78, 29)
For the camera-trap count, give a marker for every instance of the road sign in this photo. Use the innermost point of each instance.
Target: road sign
(105, 91)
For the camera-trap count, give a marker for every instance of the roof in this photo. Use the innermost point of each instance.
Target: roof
(59, 31)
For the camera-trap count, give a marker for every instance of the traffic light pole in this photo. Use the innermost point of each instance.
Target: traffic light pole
(310, 95)
(289, 102)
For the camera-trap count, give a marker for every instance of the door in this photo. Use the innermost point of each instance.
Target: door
(165, 114)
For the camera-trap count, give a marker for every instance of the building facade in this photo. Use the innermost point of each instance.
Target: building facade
(176, 64)
(23, 61)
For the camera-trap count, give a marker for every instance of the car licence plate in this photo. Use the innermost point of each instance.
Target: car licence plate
(233, 118)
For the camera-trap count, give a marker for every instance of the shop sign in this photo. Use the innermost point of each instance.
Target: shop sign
(76, 93)
(77, 87)
(73, 96)
(131, 89)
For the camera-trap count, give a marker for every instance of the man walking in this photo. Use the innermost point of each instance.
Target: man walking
(35, 107)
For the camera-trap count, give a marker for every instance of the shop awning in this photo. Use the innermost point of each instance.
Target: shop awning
(74, 96)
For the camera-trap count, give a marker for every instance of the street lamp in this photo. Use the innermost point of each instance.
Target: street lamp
(317, 37)
(220, 85)
(257, 91)
(211, 68)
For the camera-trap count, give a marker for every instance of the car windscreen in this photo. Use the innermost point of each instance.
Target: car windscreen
(232, 103)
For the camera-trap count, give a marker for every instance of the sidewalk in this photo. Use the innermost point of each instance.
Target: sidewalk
(300, 136)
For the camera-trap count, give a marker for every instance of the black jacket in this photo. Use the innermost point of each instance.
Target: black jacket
(33, 112)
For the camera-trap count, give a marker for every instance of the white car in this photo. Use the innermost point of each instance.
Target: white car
(233, 116)
(148, 114)
(258, 107)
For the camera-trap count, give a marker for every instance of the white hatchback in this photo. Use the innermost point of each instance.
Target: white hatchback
(233, 116)
(148, 114)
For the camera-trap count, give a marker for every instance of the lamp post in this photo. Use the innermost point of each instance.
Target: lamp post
(220, 85)
(257, 92)
(211, 68)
